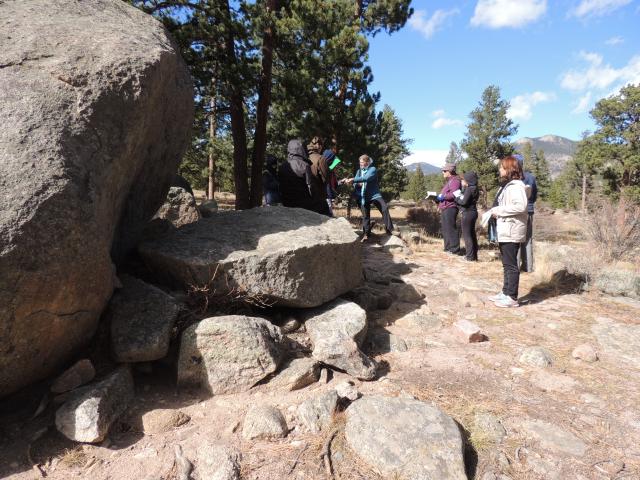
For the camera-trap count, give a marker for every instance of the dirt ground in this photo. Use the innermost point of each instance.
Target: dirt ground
(594, 405)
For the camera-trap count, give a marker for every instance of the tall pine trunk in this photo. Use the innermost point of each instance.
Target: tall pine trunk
(236, 110)
(213, 127)
(262, 113)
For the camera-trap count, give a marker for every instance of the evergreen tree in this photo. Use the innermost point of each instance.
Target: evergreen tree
(487, 139)
(455, 154)
(417, 188)
(389, 151)
(540, 169)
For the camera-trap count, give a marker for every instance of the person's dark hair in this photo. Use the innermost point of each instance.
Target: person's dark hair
(513, 169)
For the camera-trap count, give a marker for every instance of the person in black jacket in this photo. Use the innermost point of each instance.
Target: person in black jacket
(270, 183)
(467, 203)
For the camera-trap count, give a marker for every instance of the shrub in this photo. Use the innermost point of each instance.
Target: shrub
(614, 228)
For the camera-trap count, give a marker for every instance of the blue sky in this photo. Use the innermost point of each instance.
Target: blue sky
(551, 59)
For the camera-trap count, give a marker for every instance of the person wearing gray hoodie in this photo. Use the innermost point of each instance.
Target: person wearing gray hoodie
(296, 179)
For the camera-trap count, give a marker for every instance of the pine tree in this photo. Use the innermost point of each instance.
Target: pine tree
(540, 169)
(487, 139)
(455, 154)
(417, 188)
(389, 151)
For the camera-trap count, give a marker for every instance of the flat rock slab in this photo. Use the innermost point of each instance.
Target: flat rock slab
(553, 438)
(620, 341)
(142, 317)
(228, 354)
(336, 330)
(89, 412)
(316, 413)
(289, 256)
(405, 439)
(537, 357)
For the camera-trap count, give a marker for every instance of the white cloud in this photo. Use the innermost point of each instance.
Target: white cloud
(600, 76)
(507, 13)
(522, 105)
(583, 104)
(428, 26)
(442, 121)
(434, 157)
(615, 41)
(597, 8)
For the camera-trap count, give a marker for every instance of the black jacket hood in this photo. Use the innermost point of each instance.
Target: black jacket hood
(471, 178)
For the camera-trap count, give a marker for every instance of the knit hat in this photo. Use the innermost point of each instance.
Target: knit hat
(449, 167)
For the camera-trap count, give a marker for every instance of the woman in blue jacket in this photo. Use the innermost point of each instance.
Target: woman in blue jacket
(367, 192)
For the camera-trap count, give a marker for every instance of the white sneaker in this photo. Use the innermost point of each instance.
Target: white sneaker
(496, 297)
(506, 302)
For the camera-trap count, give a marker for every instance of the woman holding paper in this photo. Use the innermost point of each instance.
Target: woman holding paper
(449, 209)
(511, 214)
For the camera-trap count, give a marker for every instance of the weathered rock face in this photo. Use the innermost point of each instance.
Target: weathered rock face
(337, 330)
(290, 256)
(228, 354)
(95, 113)
(141, 317)
(405, 439)
(179, 208)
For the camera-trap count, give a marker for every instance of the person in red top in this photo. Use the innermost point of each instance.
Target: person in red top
(449, 209)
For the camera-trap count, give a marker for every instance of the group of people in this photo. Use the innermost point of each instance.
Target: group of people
(511, 215)
(307, 179)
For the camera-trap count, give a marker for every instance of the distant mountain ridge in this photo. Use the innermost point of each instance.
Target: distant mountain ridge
(426, 168)
(557, 150)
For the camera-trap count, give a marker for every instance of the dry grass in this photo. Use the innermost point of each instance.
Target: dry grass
(75, 457)
(427, 217)
(614, 229)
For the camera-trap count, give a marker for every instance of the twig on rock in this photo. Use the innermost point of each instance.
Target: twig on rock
(325, 455)
(295, 462)
(184, 466)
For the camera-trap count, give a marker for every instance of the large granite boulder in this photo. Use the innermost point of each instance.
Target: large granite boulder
(289, 256)
(405, 439)
(228, 354)
(95, 114)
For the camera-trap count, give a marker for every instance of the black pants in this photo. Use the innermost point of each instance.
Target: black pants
(381, 205)
(450, 230)
(511, 272)
(469, 218)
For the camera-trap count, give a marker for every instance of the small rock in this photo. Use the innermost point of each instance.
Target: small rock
(537, 357)
(490, 427)
(610, 467)
(585, 352)
(290, 325)
(420, 320)
(348, 390)
(381, 340)
(179, 208)
(324, 376)
(316, 413)
(90, 411)
(406, 293)
(336, 331)
(218, 462)
(263, 422)
(163, 420)
(297, 374)
(393, 242)
(469, 332)
(79, 374)
(208, 208)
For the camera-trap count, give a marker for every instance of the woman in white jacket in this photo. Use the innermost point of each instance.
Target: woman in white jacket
(511, 215)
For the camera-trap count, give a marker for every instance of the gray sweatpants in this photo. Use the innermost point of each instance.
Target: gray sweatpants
(525, 253)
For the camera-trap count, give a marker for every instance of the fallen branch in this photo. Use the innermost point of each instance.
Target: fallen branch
(325, 455)
(184, 465)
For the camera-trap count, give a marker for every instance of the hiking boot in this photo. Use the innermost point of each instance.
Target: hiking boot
(506, 302)
(496, 297)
